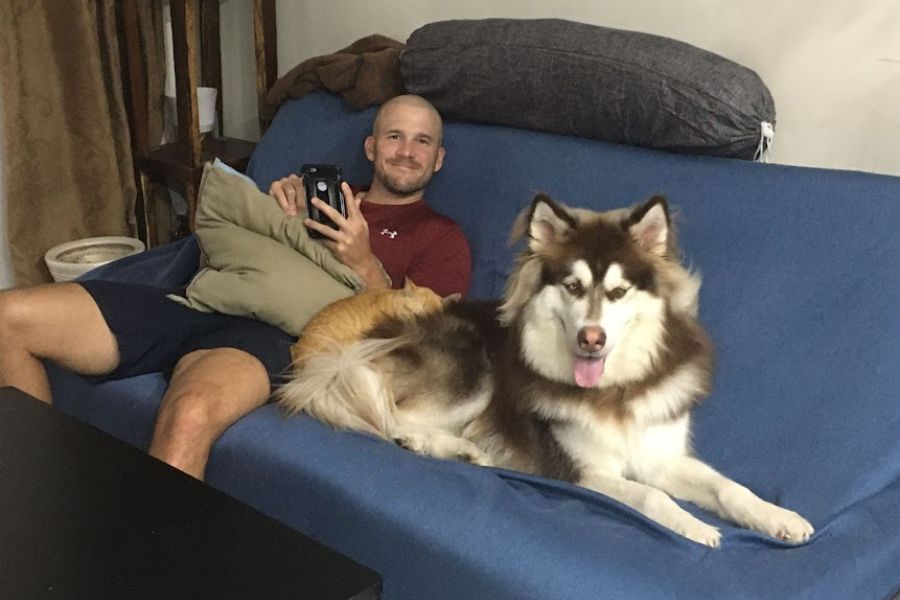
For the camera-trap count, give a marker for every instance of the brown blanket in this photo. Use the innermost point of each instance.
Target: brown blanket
(365, 73)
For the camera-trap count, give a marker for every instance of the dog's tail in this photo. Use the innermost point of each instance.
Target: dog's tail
(344, 388)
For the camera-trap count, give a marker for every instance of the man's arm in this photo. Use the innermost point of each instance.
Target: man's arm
(350, 241)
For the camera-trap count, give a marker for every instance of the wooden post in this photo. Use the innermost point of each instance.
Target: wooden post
(134, 92)
(264, 35)
(185, 54)
(210, 56)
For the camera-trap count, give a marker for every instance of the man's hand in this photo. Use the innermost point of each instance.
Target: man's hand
(350, 241)
(290, 194)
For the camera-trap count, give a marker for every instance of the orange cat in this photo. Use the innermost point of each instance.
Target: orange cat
(347, 320)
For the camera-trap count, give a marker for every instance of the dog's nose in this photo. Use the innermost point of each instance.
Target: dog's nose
(591, 338)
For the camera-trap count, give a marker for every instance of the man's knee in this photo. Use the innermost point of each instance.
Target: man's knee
(194, 413)
(211, 389)
(11, 309)
(190, 413)
(17, 316)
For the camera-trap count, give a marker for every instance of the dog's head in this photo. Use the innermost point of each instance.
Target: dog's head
(591, 286)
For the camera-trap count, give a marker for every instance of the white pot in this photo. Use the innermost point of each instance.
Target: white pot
(73, 259)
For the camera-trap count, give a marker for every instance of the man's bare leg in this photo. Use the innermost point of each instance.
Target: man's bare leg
(208, 392)
(59, 322)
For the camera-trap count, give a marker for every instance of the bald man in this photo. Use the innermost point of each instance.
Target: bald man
(222, 367)
(391, 221)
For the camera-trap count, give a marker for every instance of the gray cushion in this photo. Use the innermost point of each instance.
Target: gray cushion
(572, 78)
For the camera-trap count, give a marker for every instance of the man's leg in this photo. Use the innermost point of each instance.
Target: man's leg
(59, 322)
(208, 392)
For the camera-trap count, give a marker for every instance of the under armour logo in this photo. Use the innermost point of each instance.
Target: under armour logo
(389, 233)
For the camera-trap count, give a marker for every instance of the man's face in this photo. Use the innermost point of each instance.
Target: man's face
(405, 148)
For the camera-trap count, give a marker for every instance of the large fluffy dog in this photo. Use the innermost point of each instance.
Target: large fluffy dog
(586, 372)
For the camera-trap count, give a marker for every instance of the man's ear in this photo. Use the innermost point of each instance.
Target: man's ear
(369, 146)
(440, 159)
(649, 225)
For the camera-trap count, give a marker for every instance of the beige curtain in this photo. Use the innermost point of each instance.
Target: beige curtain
(67, 159)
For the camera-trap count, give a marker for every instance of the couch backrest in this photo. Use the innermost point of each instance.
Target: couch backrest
(733, 214)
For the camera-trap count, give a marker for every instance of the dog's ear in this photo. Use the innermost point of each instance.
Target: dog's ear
(547, 223)
(649, 225)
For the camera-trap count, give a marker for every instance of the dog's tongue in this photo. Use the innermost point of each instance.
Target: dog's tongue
(588, 371)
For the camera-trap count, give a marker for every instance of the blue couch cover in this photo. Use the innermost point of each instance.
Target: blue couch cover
(801, 294)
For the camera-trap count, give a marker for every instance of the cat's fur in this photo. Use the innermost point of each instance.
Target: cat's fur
(345, 322)
(349, 319)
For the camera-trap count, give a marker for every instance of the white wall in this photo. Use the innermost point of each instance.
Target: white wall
(239, 67)
(833, 67)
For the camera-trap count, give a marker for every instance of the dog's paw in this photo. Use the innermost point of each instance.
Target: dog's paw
(700, 532)
(441, 445)
(411, 442)
(473, 455)
(784, 525)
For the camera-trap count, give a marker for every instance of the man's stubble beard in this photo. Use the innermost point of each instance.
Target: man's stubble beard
(394, 186)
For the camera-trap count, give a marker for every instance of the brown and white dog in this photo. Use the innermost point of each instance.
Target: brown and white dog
(586, 372)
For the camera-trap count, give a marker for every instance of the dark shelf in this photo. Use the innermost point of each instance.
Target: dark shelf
(166, 160)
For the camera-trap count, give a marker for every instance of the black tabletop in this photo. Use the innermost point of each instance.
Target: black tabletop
(84, 515)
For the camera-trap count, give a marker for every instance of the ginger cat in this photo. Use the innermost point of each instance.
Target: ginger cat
(348, 320)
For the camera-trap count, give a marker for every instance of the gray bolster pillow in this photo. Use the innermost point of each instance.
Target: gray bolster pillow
(578, 79)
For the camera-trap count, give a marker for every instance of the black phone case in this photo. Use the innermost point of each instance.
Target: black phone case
(323, 182)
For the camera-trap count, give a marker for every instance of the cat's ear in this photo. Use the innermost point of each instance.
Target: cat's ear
(408, 286)
(452, 298)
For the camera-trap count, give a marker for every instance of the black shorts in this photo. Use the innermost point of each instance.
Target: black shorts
(154, 332)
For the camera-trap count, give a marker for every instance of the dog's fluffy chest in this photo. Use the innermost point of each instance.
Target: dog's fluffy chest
(622, 430)
(619, 445)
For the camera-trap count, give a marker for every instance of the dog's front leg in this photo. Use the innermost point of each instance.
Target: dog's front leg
(654, 504)
(690, 479)
(439, 444)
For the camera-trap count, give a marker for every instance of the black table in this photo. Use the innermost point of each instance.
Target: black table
(84, 515)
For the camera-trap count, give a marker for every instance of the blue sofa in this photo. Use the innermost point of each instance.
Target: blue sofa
(801, 295)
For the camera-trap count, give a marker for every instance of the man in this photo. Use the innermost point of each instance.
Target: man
(222, 367)
(390, 220)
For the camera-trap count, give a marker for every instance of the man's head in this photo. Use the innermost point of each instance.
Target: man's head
(405, 145)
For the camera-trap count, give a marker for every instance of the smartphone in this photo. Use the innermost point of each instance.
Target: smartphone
(323, 182)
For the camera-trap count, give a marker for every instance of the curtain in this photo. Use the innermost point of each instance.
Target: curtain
(68, 169)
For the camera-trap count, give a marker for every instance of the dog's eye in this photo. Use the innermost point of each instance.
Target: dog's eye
(574, 287)
(616, 293)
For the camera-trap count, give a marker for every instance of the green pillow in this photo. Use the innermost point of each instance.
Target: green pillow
(259, 262)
